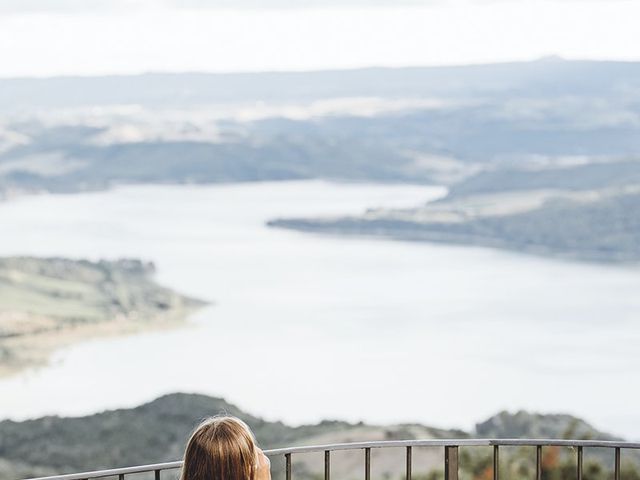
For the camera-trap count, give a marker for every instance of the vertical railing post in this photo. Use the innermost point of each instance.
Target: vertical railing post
(496, 462)
(451, 463)
(408, 466)
(156, 474)
(579, 464)
(287, 466)
(539, 462)
(616, 472)
(327, 465)
(367, 464)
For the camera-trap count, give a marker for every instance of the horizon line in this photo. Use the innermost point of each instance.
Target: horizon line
(552, 58)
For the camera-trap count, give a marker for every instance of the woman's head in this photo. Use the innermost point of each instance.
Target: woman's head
(222, 448)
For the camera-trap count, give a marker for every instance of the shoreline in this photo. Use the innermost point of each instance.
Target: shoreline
(463, 241)
(35, 351)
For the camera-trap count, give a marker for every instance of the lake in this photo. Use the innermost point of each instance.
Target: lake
(305, 327)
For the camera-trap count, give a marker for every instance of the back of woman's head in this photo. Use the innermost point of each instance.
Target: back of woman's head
(220, 448)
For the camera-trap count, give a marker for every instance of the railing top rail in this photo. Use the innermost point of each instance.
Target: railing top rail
(113, 472)
(475, 442)
(465, 442)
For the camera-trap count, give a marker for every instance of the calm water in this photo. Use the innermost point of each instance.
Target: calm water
(306, 327)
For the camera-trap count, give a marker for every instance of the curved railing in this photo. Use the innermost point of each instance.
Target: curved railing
(450, 457)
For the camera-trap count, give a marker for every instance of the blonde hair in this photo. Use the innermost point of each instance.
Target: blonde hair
(220, 448)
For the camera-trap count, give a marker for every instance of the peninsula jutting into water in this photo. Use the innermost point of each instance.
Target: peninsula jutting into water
(49, 303)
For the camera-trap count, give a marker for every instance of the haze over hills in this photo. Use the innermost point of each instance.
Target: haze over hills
(547, 77)
(157, 431)
(420, 125)
(564, 135)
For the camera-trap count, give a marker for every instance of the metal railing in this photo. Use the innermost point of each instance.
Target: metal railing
(450, 456)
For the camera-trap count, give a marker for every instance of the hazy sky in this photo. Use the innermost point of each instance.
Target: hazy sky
(52, 37)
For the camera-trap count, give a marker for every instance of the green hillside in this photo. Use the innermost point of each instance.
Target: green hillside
(157, 432)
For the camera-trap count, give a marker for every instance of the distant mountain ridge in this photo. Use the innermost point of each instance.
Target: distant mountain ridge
(541, 77)
(416, 125)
